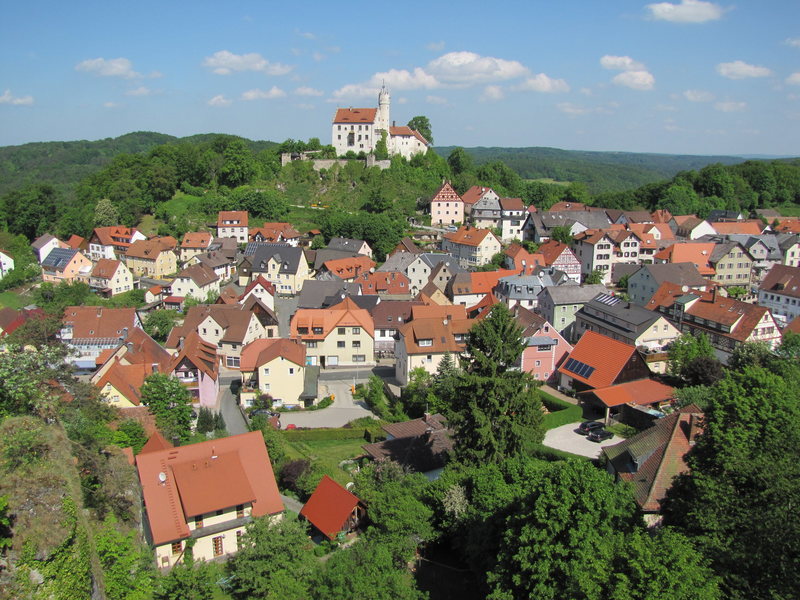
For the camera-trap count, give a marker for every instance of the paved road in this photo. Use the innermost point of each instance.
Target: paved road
(292, 504)
(564, 438)
(284, 309)
(234, 421)
(343, 410)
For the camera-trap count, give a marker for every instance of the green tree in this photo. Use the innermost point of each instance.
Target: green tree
(686, 349)
(423, 125)
(460, 161)
(126, 564)
(170, 403)
(496, 410)
(188, 580)
(105, 213)
(273, 439)
(737, 503)
(238, 164)
(159, 323)
(562, 234)
(381, 149)
(131, 433)
(26, 379)
(5, 525)
(595, 277)
(318, 242)
(205, 421)
(274, 561)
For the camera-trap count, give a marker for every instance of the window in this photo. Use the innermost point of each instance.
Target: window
(311, 344)
(177, 547)
(198, 522)
(357, 344)
(342, 330)
(291, 370)
(316, 330)
(356, 330)
(359, 358)
(428, 342)
(538, 363)
(340, 344)
(232, 361)
(240, 512)
(218, 545)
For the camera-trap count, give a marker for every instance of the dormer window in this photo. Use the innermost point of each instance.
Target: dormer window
(426, 342)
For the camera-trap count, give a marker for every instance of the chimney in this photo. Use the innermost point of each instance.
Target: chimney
(180, 342)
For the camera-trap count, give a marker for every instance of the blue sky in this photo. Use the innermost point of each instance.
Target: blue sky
(684, 76)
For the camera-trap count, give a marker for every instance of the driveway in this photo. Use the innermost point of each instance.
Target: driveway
(234, 421)
(343, 410)
(564, 438)
(284, 309)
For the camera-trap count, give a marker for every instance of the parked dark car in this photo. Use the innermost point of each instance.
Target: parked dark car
(599, 435)
(588, 427)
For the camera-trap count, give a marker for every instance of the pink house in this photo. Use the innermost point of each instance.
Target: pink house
(447, 208)
(196, 366)
(545, 348)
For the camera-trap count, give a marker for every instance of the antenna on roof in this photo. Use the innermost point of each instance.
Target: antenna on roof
(162, 477)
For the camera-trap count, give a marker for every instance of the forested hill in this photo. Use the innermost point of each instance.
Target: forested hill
(599, 171)
(64, 164)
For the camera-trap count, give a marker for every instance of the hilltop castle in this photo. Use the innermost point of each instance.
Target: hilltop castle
(360, 130)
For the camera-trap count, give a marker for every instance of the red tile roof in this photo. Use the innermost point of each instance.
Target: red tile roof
(75, 241)
(355, 115)
(475, 193)
(202, 478)
(640, 391)
(383, 282)
(782, 279)
(152, 248)
(752, 227)
(407, 131)
(468, 236)
(606, 356)
(446, 193)
(199, 240)
(105, 268)
(350, 267)
(345, 314)
(696, 253)
(240, 216)
(512, 204)
(155, 443)
(199, 353)
(329, 507)
(259, 281)
(260, 352)
(117, 236)
(94, 322)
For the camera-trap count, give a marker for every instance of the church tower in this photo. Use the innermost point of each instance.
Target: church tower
(382, 118)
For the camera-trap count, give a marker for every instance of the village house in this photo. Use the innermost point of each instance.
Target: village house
(112, 242)
(275, 233)
(261, 289)
(350, 245)
(545, 348)
(154, 258)
(42, 246)
(637, 403)
(732, 264)
(342, 335)
(6, 263)
(423, 342)
(194, 243)
(560, 303)
(207, 493)
(282, 265)
(388, 316)
(88, 330)
(644, 282)
(780, 293)
(522, 261)
(197, 281)
(221, 263)
(697, 253)
(384, 284)
(512, 215)
(447, 207)
(347, 269)
(467, 289)
(196, 366)
(474, 194)
(486, 211)
(67, 265)
(750, 227)
(277, 367)
(560, 256)
(599, 250)
(471, 247)
(233, 223)
(789, 245)
(538, 226)
(110, 277)
(524, 290)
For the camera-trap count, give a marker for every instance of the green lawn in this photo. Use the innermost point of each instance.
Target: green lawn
(12, 299)
(328, 453)
(304, 218)
(789, 210)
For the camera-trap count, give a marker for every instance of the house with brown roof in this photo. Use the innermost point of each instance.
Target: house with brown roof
(110, 277)
(342, 334)
(221, 263)
(197, 281)
(277, 367)
(384, 283)
(545, 348)
(471, 246)
(91, 329)
(601, 249)
(467, 289)
(421, 445)
(406, 245)
(406, 142)
(749, 227)
(690, 227)
(65, 264)
(643, 394)
(652, 459)
(233, 223)
(726, 322)
(476, 193)
(388, 316)
(332, 510)
(263, 290)
(194, 243)
(275, 232)
(697, 253)
(780, 293)
(347, 269)
(229, 327)
(561, 257)
(112, 242)
(196, 366)
(152, 258)
(208, 493)
(598, 361)
(520, 260)
(423, 342)
(447, 207)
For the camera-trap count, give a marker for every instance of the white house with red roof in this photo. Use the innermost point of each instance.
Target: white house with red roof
(447, 207)
(233, 223)
(360, 130)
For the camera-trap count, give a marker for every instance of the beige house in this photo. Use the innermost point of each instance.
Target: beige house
(340, 335)
(194, 243)
(152, 258)
(110, 277)
(424, 342)
(276, 367)
(197, 281)
(233, 223)
(282, 265)
(447, 207)
(472, 247)
(207, 492)
(65, 264)
(733, 265)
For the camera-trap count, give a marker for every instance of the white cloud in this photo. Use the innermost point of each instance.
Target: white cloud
(586, 91)
(468, 67)
(271, 94)
(620, 63)
(688, 11)
(355, 90)
(110, 105)
(304, 106)
(139, 91)
(665, 107)
(8, 98)
(542, 83)
(698, 96)
(730, 106)
(435, 46)
(573, 109)
(435, 100)
(225, 63)
(492, 93)
(307, 91)
(219, 100)
(113, 67)
(402, 79)
(794, 42)
(636, 80)
(402, 100)
(741, 70)
(794, 78)
(318, 56)
(306, 34)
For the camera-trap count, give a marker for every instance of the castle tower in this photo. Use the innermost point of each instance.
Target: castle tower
(382, 118)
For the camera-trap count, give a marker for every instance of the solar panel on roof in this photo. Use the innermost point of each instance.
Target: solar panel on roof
(581, 369)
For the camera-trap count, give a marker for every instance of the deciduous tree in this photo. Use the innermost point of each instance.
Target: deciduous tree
(170, 403)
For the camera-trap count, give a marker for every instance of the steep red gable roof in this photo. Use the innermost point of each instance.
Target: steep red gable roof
(473, 194)
(468, 236)
(407, 131)
(239, 216)
(155, 443)
(446, 193)
(350, 267)
(390, 282)
(105, 268)
(267, 285)
(260, 352)
(329, 507)
(355, 115)
(196, 239)
(606, 356)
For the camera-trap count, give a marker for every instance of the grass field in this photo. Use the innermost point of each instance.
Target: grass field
(548, 180)
(789, 211)
(14, 299)
(328, 453)
(303, 218)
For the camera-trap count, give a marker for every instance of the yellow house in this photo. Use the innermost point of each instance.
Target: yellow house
(282, 265)
(152, 258)
(110, 277)
(208, 493)
(471, 246)
(276, 367)
(340, 335)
